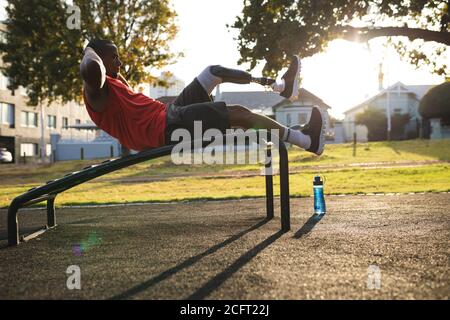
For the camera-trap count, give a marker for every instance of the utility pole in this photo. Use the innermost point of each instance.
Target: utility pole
(388, 97)
(388, 114)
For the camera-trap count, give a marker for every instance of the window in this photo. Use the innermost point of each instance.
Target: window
(398, 111)
(28, 119)
(32, 119)
(24, 119)
(288, 119)
(77, 121)
(51, 122)
(302, 118)
(28, 149)
(65, 122)
(7, 114)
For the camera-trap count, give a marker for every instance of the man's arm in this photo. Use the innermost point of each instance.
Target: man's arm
(93, 71)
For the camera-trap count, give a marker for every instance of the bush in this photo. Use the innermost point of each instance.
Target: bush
(436, 103)
(376, 123)
(398, 123)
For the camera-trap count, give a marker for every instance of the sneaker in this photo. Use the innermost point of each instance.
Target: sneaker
(315, 129)
(290, 79)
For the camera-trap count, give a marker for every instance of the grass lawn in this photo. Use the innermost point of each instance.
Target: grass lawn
(182, 182)
(395, 151)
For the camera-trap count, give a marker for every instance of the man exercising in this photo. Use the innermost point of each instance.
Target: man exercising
(140, 122)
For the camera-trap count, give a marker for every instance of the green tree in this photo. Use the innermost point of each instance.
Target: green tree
(398, 123)
(42, 54)
(436, 103)
(272, 30)
(141, 29)
(37, 52)
(375, 121)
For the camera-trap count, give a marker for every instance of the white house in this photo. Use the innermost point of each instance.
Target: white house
(175, 87)
(298, 112)
(258, 101)
(399, 98)
(273, 105)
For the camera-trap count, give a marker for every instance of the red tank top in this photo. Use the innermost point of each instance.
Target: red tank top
(137, 121)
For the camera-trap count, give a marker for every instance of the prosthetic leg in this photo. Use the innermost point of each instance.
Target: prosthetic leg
(238, 76)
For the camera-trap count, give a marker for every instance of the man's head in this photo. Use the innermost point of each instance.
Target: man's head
(107, 51)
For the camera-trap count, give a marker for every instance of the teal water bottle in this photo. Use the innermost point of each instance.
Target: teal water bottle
(319, 200)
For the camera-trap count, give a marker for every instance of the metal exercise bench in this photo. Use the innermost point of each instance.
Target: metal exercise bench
(51, 189)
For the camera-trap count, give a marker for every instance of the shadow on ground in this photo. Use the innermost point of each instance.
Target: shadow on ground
(227, 250)
(437, 149)
(189, 262)
(308, 226)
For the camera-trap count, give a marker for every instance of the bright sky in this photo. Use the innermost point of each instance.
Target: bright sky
(343, 76)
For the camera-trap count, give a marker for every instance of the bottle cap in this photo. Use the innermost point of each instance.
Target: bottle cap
(317, 181)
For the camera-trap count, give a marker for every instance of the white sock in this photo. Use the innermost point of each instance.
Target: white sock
(297, 137)
(278, 86)
(208, 80)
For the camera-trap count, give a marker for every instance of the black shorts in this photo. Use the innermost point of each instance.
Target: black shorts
(194, 104)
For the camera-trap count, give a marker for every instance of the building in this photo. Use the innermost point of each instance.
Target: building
(102, 146)
(21, 125)
(271, 104)
(400, 98)
(175, 87)
(298, 112)
(258, 101)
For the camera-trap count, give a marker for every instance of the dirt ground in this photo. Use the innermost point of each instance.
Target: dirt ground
(365, 247)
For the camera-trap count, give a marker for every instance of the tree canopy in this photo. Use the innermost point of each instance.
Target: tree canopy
(376, 122)
(42, 53)
(272, 30)
(436, 103)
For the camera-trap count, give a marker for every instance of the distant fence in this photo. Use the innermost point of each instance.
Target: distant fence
(80, 150)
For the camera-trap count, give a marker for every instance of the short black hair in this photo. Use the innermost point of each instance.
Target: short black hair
(99, 45)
